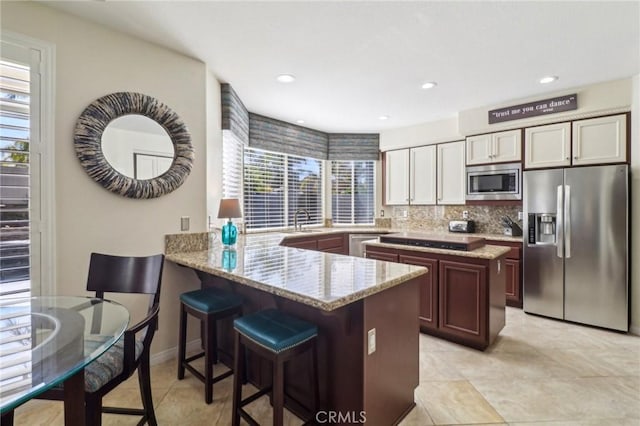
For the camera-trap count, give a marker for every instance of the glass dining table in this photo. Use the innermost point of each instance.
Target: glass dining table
(47, 341)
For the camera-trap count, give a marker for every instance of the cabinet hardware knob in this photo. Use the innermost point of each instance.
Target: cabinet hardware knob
(568, 158)
(575, 158)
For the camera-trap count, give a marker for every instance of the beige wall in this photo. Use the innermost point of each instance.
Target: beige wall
(92, 61)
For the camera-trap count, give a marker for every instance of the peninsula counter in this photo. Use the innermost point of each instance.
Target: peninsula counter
(366, 312)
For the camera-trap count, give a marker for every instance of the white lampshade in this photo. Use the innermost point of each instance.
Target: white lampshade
(229, 207)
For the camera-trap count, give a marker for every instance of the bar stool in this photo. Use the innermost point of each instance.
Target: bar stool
(277, 337)
(208, 305)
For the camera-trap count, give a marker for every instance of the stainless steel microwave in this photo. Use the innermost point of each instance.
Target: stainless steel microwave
(495, 182)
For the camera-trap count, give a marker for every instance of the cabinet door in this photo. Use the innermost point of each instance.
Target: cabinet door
(463, 300)
(332, 244)
(512, 282)
(600, 140)
(423, 175)
(397, 177)
(451, 173)
(428, 289)
(479, 149)
(507, 146)
(547, 146)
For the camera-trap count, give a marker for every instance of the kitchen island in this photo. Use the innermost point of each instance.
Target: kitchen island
(462, 295)
(366, 312)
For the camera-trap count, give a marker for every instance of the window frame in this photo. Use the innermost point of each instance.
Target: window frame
(374, 168)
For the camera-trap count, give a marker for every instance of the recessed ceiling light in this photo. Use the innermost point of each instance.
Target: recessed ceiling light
(286, 78)
(429, 85)
(383, 117)
(548, 79)
(300, 121)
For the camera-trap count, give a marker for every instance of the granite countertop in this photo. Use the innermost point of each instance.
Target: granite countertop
(323, 280)
(374, 230)
(485, 252)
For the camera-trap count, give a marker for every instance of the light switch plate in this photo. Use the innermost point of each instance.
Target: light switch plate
(519, 215)
(184, 223)
(371, 341)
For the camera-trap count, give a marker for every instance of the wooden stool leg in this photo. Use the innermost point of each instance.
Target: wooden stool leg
(278, 392)
(182, 341)
(238, 374)
(209, 353)
(214, 342)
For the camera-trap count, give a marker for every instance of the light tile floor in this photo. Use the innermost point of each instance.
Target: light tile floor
(539, 371)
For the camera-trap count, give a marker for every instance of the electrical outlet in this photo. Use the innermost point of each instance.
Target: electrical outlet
(371, 341)
(519, 215)
(465, 214)
(405, 213)
(184, 223)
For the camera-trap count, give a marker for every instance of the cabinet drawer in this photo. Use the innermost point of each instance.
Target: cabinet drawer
(514, 253)
(378, 255)
(325, 243)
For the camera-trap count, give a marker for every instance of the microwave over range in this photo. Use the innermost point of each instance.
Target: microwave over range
(494, 182)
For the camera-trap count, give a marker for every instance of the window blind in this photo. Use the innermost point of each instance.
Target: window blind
(232, 150)
(353, 192)
(276, 185)
(14, 179)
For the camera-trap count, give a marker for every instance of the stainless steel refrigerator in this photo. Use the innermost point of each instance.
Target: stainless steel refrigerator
(576, 248)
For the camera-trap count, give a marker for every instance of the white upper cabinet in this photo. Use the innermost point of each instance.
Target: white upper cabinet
(451, 186)
(479, 149)
(500, 147)
(547, 146)
(397, 177)
(600, 140)
(507, 146)
(432, 174)
(422, 184)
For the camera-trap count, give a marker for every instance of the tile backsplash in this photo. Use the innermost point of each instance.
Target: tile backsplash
(436, 218)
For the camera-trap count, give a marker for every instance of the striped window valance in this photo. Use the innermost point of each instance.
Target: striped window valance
(235, 116)
(279, 136)
(354, 146)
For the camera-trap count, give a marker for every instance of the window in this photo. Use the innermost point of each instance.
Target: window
(277, 185)
(26, 167)
(231, 165)
(353, 192)
(14, 178)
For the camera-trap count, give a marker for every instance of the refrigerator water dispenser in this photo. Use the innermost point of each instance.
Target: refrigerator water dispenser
(542, 228)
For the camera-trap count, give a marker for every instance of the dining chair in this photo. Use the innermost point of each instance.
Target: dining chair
(121, 274)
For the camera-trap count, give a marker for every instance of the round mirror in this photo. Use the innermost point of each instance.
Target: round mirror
(158, 170)
(137, 147)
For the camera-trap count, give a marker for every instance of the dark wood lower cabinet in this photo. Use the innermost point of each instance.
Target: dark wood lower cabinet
(333, 243)
(513, 282)
(428, 289)
(463, 301)
(462, 298)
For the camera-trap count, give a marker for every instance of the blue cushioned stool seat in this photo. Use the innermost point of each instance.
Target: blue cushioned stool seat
(209, 305)
(210, 300)
(275, 330)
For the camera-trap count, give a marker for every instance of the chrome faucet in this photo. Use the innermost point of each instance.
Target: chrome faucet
(295, 218)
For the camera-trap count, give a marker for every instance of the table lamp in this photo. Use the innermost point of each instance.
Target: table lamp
(229, 208)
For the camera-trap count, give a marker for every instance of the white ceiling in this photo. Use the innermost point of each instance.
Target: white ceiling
(357, 60)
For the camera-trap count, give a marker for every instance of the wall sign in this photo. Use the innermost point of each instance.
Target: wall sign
(533, 109)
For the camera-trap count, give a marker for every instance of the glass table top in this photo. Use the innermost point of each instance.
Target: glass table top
(45, 340)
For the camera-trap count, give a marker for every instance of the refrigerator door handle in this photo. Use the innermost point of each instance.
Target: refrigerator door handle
(567, 220)
(559, 222)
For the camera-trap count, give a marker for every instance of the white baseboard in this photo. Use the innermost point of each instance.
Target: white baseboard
(634, 329)
(172, 353)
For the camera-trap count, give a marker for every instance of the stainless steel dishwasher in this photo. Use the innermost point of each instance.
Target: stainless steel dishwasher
(355, 243)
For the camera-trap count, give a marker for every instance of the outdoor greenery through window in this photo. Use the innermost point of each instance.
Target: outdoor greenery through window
(14, 179)
(353, 192)
(277, 185)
